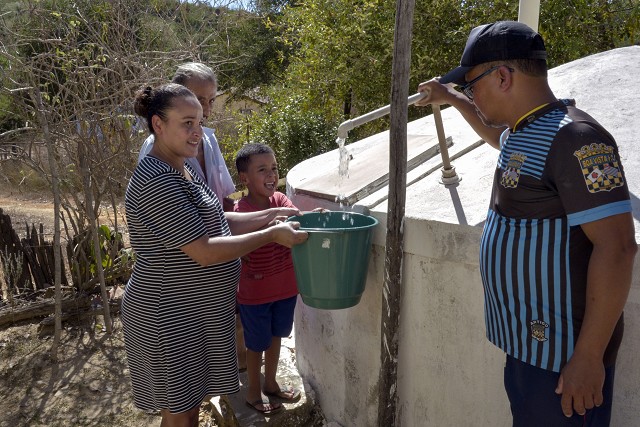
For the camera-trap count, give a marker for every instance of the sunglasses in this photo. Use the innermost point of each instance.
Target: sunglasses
(468, 88)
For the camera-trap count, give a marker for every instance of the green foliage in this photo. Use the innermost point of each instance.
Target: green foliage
(254, 56)
(441, 29)
(343, 49)
(343, 54)
(117, 261)
(580, 28)
(294, 131)
(111, 243)
(9, 118)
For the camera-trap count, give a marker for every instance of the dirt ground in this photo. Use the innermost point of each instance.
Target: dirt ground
(88, 385)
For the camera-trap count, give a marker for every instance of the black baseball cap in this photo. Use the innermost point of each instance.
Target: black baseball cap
(502, 40)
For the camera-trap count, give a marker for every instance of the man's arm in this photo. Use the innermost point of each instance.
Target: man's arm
(608, 283)
(438, 94)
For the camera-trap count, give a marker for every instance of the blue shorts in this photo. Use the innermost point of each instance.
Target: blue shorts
(534, 402)
(262, 322)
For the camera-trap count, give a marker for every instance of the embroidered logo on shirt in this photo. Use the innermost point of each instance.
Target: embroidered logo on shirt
(600, 167)
(511, 174)
(539, 330)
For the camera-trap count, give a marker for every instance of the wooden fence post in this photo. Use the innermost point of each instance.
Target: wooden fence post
(392, 287)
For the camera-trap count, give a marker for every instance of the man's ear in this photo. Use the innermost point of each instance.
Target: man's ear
(505, 77)
(157, 124)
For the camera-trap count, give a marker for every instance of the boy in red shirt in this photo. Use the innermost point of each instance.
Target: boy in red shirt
(267, 292)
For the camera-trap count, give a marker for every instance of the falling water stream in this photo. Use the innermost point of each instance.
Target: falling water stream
(343, 166)
(343, 171)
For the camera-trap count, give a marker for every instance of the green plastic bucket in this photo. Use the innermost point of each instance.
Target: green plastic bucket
(331, 266)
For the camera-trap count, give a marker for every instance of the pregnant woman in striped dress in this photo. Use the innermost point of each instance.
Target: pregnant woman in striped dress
(178, 311)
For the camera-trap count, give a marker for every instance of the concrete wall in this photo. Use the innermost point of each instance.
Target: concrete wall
(338, 352)
(448, 373)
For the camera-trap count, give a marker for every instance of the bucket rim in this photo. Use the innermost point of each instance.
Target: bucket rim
(336, 230)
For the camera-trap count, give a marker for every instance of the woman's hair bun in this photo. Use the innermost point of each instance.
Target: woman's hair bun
(142, 100)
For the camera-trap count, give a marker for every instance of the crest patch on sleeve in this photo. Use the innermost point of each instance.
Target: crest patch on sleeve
(600, 168)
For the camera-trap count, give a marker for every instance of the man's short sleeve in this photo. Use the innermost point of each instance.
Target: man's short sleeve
(585, 168)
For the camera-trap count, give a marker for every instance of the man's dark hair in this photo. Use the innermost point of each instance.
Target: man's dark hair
(244, 154)
(530, 67)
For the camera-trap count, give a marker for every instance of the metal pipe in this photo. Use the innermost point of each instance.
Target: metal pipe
(442, 140)
(529, 13)
(449, 175)
(346, 126)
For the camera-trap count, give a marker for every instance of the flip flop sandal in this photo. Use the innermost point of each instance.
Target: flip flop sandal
(254, 406)
(289, 394)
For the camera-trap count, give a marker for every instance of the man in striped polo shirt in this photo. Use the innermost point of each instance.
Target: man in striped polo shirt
(557, 252)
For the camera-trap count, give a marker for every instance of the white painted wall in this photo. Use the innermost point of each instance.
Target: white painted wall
(446, 368)
(448, 373)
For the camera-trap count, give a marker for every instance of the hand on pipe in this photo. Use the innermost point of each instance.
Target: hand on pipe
(437, 93)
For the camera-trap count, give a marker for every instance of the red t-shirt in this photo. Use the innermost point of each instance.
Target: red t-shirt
(267, 273)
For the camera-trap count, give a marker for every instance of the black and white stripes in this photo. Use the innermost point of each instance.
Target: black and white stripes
(178, 317)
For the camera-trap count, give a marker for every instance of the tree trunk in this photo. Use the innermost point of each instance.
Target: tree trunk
(57, 256)
(392, 288)
(95, 235)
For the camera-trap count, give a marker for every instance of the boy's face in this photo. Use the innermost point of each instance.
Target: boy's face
(261, 177)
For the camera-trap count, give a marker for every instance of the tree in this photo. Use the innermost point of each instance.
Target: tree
(255, 57)
(580, 28)
(341, 59)
(294, 132)
(71, 69)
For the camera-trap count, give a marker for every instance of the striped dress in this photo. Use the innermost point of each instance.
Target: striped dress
(178, 317)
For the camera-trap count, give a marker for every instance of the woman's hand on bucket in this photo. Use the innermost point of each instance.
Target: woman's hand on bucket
(287, 233)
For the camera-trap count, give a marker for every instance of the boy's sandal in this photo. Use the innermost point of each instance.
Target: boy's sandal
(288, 394)
(260, 405)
